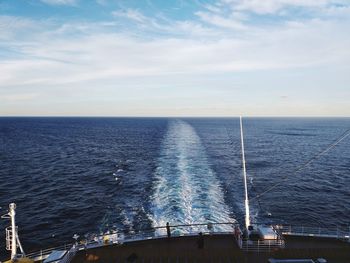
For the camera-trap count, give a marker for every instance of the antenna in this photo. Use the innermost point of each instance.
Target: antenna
(12, 240)
(246, 201)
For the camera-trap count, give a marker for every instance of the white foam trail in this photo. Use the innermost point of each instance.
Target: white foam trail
(186, 189)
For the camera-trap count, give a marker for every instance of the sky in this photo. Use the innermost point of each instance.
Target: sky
(174, 58)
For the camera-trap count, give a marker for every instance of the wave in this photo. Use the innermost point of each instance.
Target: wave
(186, 190)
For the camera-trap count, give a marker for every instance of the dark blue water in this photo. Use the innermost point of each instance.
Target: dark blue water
(87, 175)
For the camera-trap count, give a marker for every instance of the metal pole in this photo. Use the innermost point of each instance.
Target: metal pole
(20, 245)
(337, 232)
(12, 214)
(247, 219)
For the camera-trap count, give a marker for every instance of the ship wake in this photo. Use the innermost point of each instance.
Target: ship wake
(186, 190)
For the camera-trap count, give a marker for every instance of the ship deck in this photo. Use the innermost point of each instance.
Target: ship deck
(217, 248)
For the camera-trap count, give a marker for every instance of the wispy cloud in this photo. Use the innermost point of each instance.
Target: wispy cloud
(93, 55)
(60, 2)
(12, 27)
(221, 21)
(44, 57)
(131, 14)
(273, 6)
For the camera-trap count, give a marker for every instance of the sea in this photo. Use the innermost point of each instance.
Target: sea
(89, 175)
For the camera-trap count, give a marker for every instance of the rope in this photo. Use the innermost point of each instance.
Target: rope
(258, 200)
(315, 157)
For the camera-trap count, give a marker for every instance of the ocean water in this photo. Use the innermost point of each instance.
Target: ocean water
(88, 175)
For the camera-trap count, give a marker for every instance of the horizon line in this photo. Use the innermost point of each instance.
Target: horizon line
(181, 116)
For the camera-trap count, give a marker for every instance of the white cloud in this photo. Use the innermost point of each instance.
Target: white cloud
(60, 2)
(156, 23)
(213, 8)
(102, 2)
(97, 56)
(131, 14)
(190, 28)
(18, 97)
(273, 6)
(11, 27)
(101, 58)
(221, 21)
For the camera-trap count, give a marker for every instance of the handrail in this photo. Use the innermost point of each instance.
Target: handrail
(140, 232)
(262, 245)
(69, 256)
(203, 224)
(145, 230)
(125, 237)
(45, 252)
(332, 232)
(151, 233)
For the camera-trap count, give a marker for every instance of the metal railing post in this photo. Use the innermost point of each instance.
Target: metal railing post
(337, 232)
(251, 246)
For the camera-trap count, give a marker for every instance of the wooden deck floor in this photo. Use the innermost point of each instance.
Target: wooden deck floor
(217, 248)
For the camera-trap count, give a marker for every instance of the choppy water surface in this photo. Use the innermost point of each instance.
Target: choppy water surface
(87, 175)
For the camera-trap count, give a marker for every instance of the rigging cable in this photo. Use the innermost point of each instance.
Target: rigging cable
(315, 157)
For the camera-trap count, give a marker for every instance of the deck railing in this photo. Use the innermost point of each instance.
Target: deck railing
(262, 246)
(44, 253)
(339, 232)
(114, 237)
(192, 230)
(70, 255)
(161, 232)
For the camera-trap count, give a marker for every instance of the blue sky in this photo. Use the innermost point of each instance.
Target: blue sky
(175, 58)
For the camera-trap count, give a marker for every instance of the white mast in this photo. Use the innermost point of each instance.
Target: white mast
(12, 240)
(247, 219)
(12, 215)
